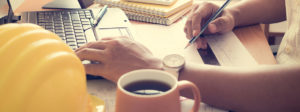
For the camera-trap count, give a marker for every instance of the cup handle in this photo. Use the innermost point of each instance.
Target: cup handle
(196, 93)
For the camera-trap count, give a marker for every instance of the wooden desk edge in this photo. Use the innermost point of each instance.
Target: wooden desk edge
(256, 43)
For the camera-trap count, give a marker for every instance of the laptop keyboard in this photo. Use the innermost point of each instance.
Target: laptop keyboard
(69, 25)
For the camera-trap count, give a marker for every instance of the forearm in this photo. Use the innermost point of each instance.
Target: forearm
(249, 12)
(269, 88)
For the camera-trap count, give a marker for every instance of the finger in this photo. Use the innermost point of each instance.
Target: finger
(188, 25)
(199, 43)
(94, 69)
(91, 54)
(212, 28)
(82, 47)
(204, 43)
(97, 45)
(195, 7)
(108, 38)
(196, 32)
(201, 13)
(220, 25)
(99, 70)
(188, 28)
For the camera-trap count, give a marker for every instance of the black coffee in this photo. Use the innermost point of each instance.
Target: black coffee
(147, 87)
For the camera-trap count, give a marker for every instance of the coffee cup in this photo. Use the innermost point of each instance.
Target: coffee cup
(149, 90)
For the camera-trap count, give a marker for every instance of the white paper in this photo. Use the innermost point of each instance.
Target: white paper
(165, 40)
(187, 105)
(230, 51)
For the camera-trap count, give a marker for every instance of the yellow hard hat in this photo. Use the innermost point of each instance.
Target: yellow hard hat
(39, 73)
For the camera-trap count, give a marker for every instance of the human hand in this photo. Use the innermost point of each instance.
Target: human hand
(116, 56)
(198, 17)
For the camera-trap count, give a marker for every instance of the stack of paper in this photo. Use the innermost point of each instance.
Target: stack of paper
(152, 13)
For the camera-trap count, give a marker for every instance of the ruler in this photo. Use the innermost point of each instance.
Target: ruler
(226, 50)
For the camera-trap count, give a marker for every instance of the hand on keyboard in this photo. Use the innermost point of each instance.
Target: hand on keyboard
(116, 56)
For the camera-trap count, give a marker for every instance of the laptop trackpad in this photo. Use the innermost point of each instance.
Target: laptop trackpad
(112, 32)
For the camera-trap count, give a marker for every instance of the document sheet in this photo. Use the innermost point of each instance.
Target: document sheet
(166, 40)
(229, 50)
(187, 105)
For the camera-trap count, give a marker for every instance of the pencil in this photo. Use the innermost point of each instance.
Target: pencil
(100, 15)
(206, 24)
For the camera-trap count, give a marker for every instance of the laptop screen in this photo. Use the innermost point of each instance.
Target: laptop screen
(68, 4)
(85, 3)
(16, 3)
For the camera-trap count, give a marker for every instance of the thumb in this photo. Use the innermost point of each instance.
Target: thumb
(219, 25)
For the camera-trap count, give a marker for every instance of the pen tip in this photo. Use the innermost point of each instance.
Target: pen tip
(187, 45)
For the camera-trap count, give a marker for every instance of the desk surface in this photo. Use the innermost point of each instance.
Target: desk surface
(252, 38)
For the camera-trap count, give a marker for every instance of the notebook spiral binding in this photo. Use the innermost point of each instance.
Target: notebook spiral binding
(147, 18)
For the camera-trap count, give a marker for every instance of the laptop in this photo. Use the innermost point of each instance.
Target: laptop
(74, 26)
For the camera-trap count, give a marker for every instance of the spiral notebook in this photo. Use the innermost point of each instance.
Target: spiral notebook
(157, 19)
(149, 9)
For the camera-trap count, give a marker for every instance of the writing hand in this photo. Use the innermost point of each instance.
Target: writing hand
(200, 14)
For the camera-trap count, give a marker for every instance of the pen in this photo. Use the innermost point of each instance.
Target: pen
(100, 16)
(206, 24)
